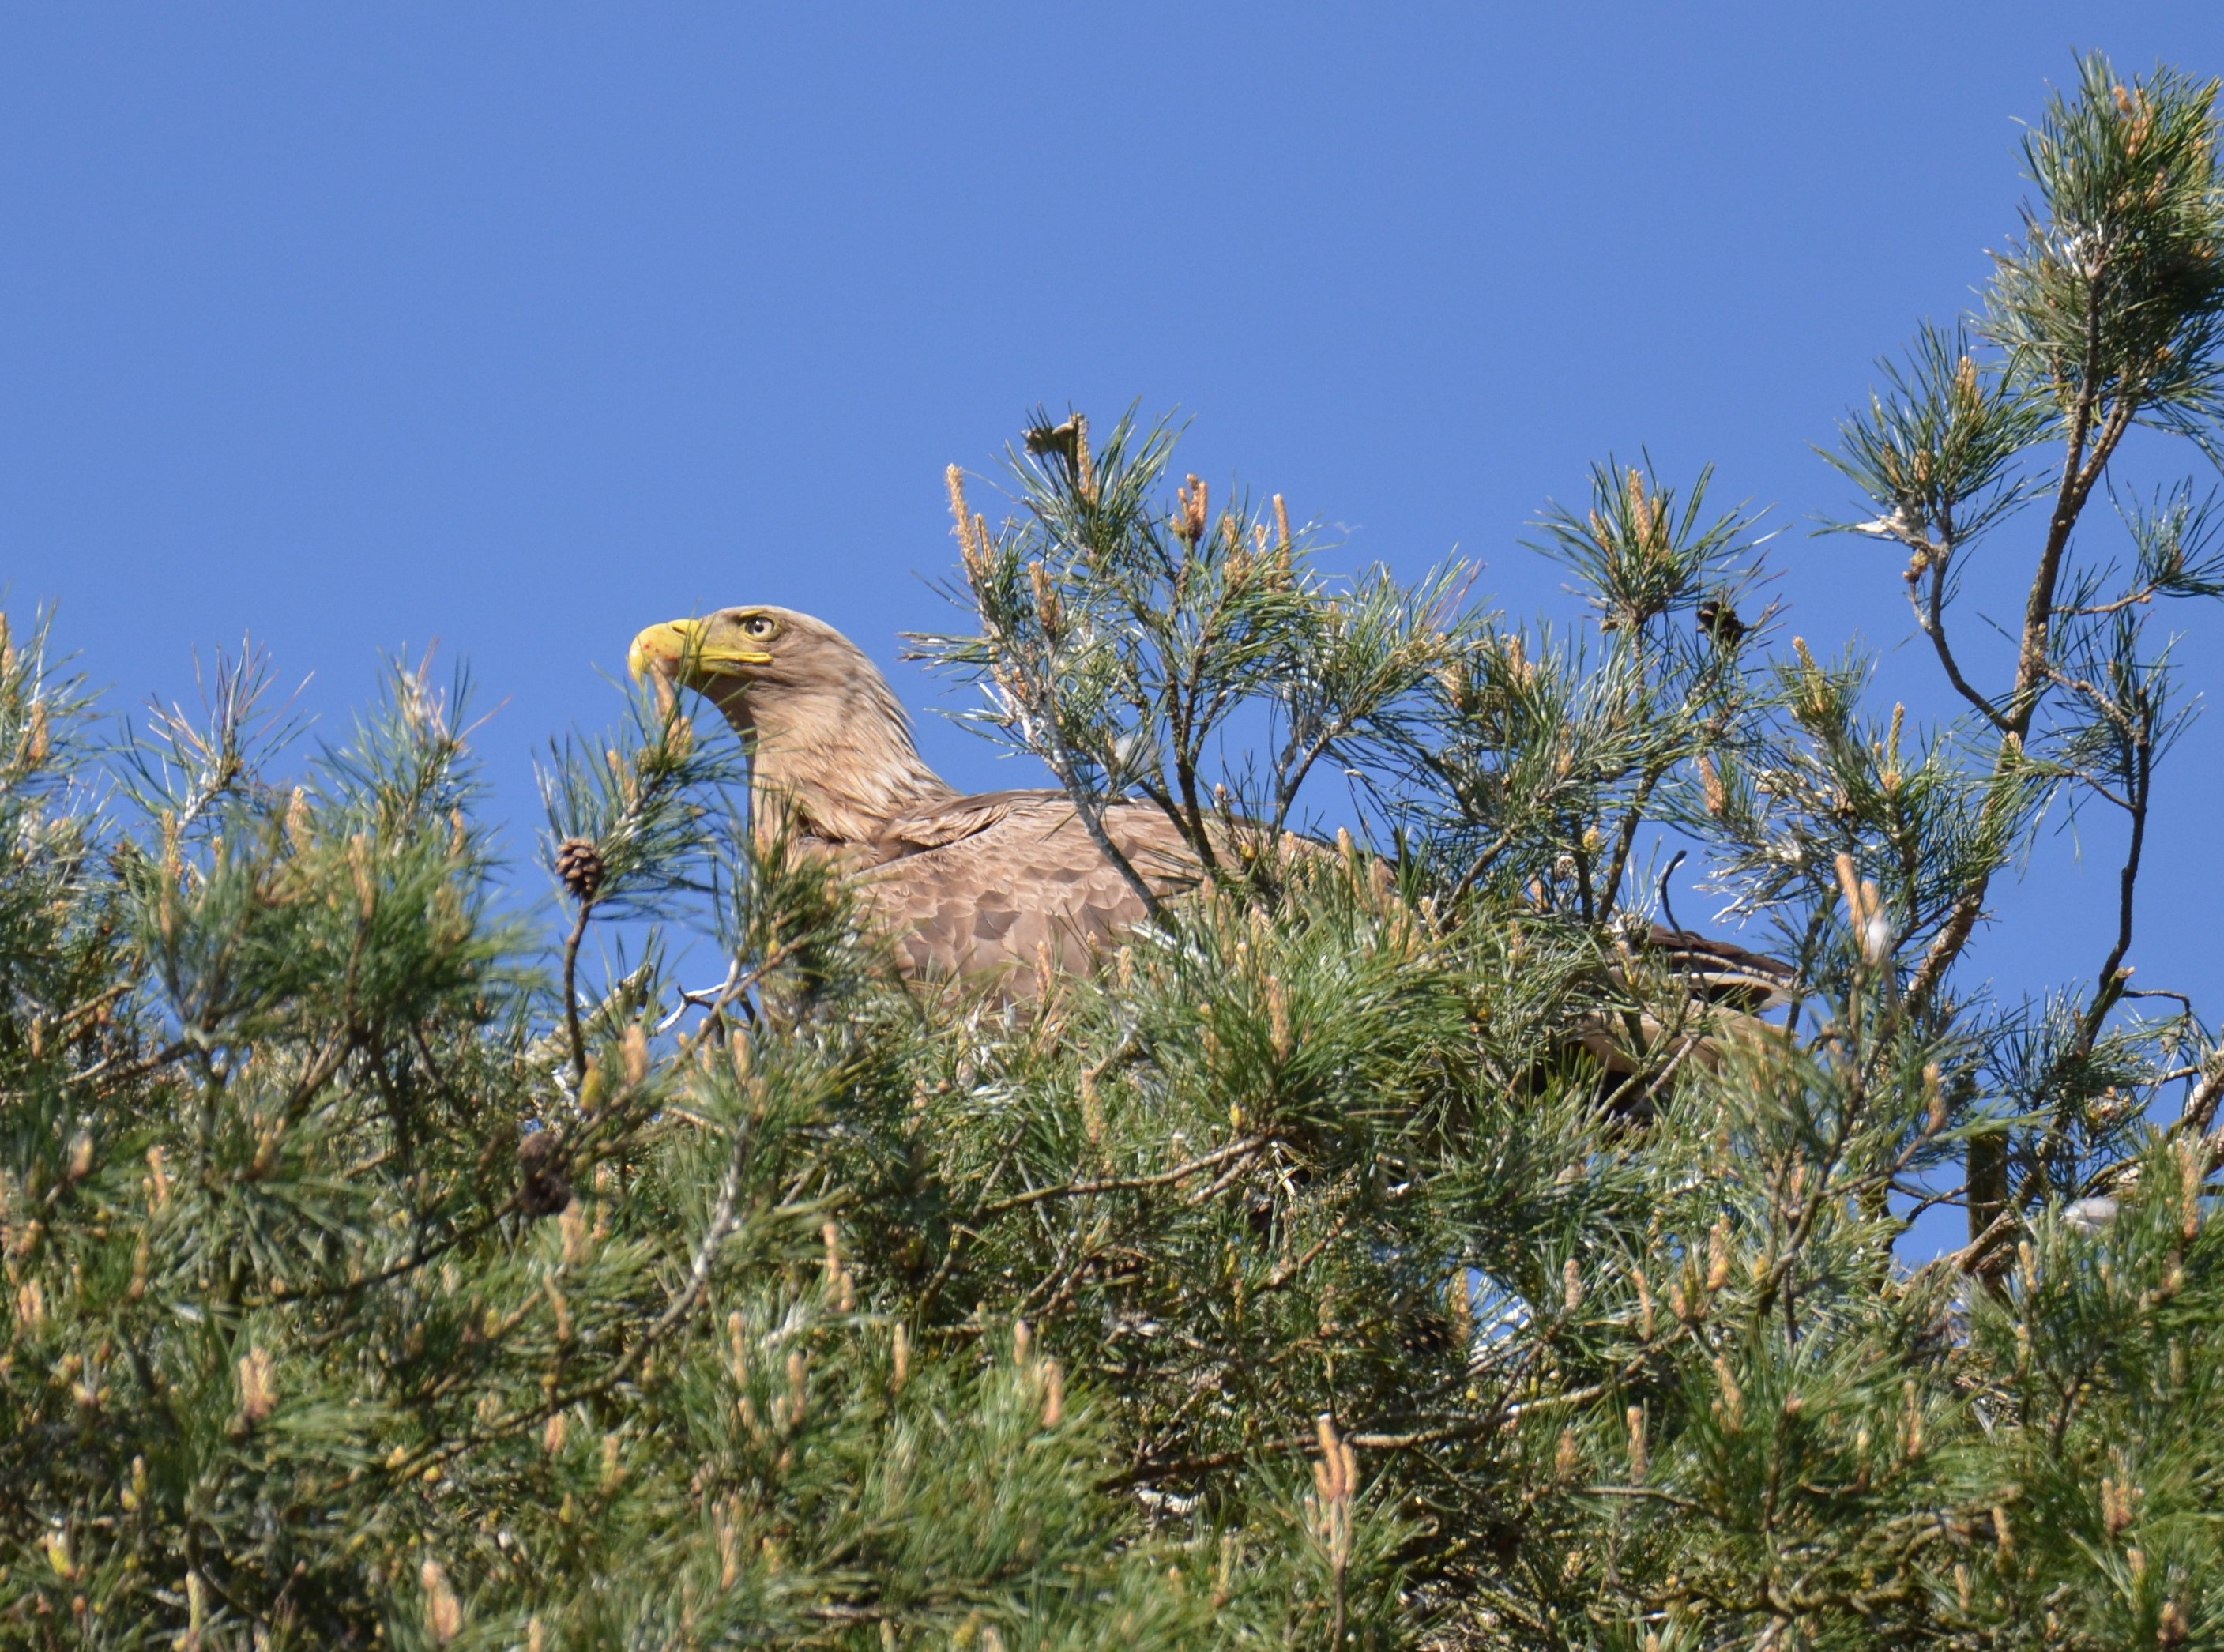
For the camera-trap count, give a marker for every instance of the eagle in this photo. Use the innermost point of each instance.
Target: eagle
(993, 884)
(999, 885)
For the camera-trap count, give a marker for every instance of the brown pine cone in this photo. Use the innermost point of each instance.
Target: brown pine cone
(579, 864)
(1720, 621)
(545, 1191)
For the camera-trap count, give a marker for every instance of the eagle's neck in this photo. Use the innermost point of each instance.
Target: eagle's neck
(833, 764)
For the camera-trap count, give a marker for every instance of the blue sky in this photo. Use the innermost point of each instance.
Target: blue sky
(518, 327)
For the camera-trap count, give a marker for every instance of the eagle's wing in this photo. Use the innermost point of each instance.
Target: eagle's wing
(946, 822)
(995, 882)
(1721, 973)
(1736, 988)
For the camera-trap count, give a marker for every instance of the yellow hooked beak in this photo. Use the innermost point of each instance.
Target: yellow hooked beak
(677, 649)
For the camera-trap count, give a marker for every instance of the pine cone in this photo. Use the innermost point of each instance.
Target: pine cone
(545, 1190)
(1720, 621)
(579, 864)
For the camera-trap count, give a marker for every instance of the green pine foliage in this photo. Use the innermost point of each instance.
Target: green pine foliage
(1383, 1248)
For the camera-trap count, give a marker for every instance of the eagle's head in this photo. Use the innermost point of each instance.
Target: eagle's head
(827, 735)
(751, 657)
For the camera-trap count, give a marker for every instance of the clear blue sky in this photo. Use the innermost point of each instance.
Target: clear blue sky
(518, 327)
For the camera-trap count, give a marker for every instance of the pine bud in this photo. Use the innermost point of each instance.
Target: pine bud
(1053, 1394)
(2193, 1174)
(1336, 1474)
(960, 513)
(1710, 787)
(1050, 613)
(1092, 1110)
(258, 1393)
(1278, 1017)
(1193, 512)
(444, 1613)
(1731, 1405)
(1640, 508)
(1571, 1285)
(900, 1359)
(580, 866)
(572, 1224)
(1084, 463)
(2117, 1501)
(799, 1390)
(1459, 1299)
(1638, 1453)
(633, 1049)
(366, 887)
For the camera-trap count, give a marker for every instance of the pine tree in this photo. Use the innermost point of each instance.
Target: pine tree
(1385, 1247)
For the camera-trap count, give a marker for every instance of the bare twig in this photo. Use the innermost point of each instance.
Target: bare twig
(571, 993)
(1930, 619)
(1121, 1184)
(2081, 471)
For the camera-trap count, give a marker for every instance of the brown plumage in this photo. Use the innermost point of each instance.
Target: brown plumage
(995, 882)
(966, 884)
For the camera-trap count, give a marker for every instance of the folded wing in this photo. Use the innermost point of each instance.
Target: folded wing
(1006, 881)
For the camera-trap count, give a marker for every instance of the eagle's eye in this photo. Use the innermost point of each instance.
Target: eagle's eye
(760, 627)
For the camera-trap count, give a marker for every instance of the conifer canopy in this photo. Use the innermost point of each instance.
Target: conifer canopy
(1380, 1245)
